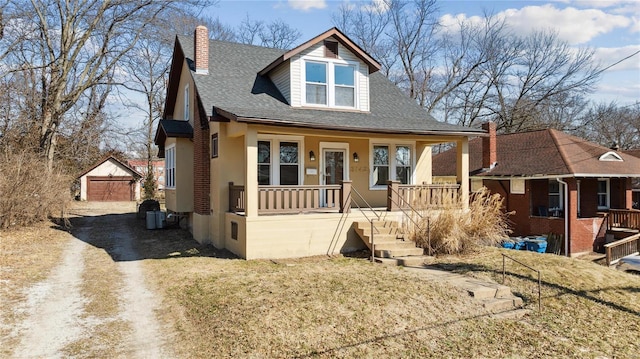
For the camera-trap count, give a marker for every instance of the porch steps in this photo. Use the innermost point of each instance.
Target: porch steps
(388, 239)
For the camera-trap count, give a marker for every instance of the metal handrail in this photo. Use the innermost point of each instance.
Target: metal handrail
(410, 218)
(352, 200)
(504, 256)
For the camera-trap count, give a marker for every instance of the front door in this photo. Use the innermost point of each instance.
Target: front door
(334, 165)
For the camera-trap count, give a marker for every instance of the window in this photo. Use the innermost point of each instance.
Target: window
(555, 195)
(279, 162)
(316, 83)
(398, 167)
(403, 164)
(264, 162)
(289, 163)
(330, 83)
(170, 173)
(214, 145)
(186, 102)
(603, 193)
(380, 165)
(345, 88)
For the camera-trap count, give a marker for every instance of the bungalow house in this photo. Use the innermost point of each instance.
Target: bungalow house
(554, 182)
(268, 150)
(635, 184)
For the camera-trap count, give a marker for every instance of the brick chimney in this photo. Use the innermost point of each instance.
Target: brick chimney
(201, 49)
(489, 152)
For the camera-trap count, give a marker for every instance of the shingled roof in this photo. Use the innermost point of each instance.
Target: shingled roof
(541, 153)
(235, 90)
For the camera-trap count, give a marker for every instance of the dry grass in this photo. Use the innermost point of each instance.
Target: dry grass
(346, 307)
(27, 255)
(453, 230)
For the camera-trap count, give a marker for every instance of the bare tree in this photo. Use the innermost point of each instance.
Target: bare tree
(276, 34)
(610, 124)
(473, 72)
(74, 46)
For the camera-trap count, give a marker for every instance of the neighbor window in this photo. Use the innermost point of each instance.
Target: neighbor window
(279, 162)
(555, 195)
(398, 166)
(330, 83)
(603, 194)
(170, 161)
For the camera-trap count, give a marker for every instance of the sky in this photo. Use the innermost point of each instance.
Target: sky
(610, 27)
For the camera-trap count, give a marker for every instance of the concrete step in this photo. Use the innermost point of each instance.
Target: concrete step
(496, 305)
(377, 224)
(511, 314)
(398, 252)
(407, 261)
(390, 246)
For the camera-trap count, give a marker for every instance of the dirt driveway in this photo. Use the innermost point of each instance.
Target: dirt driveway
(95, 303)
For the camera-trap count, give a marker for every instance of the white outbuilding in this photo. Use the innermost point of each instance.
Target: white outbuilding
(110, 180)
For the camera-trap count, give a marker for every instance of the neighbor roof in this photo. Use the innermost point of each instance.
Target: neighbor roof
(238, 92)
(135, 173)
(540, 153)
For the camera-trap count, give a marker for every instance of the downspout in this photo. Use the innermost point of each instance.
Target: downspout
(566, 216)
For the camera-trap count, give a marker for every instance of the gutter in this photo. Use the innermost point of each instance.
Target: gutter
(566, 216)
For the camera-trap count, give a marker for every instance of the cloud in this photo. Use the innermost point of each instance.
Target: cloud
(609, 55)
(377, 6)
(307, 5)
(576, 26)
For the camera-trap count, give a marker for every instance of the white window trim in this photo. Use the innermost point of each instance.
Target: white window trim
(170, 159)
(392, 160)
(186, 103)
(275, 140)
(607, 194)
(330, 82)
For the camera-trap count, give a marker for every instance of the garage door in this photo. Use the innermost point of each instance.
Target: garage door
(109, 188)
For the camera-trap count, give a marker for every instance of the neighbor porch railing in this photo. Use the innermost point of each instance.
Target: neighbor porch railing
(623, 218)
(291, 199)
(420, 196)
(622, 248)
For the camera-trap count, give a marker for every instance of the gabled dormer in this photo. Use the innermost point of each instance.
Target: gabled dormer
(327, 72)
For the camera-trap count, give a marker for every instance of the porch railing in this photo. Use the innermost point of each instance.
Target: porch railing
(623, 218)
(421, 196)
(622, 248)
(290, 199)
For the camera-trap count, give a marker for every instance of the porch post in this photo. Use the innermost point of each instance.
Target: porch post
(424, 173)
(393, 198)
(462, 174)
(345, 197)
(251, 172)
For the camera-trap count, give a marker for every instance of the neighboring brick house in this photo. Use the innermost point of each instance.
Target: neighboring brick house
(264, 146)
(635, 184)
(554, 182)
(157, 167)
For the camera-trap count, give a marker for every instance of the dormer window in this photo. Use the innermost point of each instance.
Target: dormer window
(330, 83)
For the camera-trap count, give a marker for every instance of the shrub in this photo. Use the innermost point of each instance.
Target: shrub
(453, 230)
(28, 193)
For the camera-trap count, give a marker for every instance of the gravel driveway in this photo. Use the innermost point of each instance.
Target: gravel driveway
(57, 307)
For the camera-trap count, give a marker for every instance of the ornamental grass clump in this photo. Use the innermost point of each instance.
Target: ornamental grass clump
(454, 230)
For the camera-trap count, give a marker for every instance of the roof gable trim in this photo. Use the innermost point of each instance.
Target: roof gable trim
(332, 33)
